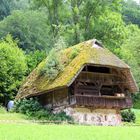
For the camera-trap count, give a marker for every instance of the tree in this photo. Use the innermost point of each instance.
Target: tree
(131, 12)
(7, 6)
(76, 17)
(33, 59)
(12, 68)
(130, 51)
(30, 28)
(110, 29)
(4, 8)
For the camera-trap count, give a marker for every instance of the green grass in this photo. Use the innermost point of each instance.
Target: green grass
(66, 132)
(12, 116)
(33, 131)
(4, 115)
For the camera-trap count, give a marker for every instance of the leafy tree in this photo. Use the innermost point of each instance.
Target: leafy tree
(30, 28)
(7, 6)
(130, 51)
(131, 12)
(76, 17)
(33, 59)
(4, 8)
(110, 29)
(53, 10)
(12, 68)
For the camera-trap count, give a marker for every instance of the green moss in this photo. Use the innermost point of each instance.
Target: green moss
(87, 55)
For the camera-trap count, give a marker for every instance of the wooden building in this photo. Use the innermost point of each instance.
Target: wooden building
(95, 80)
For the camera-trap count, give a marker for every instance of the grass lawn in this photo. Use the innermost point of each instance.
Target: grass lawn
(67, 132)
(34, 131)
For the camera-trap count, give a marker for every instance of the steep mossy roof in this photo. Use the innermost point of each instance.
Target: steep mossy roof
(88, 54)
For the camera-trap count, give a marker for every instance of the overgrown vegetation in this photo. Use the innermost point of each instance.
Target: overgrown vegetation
(13, 67)
(32, 108)
(75, 51)
(38, 25)
(54, 63)
(128, 116)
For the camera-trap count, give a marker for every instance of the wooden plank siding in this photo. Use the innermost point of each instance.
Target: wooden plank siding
(103, 101)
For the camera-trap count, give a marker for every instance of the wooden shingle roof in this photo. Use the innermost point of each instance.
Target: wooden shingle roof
(90, 53)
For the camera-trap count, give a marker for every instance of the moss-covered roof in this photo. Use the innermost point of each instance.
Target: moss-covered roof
(89, 53)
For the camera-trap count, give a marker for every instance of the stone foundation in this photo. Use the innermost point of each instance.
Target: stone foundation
(87, 116)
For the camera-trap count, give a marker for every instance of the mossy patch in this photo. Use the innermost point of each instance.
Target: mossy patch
(87, 54)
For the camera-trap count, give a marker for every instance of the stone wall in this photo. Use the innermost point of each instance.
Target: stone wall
(94, 116)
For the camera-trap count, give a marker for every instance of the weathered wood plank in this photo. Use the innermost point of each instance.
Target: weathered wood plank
(103, 102)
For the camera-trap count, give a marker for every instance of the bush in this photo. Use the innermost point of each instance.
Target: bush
(128, 116)
(136, 100)
(74, 53)
(27, 106)
(32, 108)
(54, 64)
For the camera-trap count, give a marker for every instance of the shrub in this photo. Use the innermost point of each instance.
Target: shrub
(136, 100)
(62, 116)
(74, 53)
(54, 63)
(32, 108)
(27, 106)
(128, 116)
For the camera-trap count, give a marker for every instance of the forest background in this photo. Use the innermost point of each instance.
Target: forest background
(30, 29)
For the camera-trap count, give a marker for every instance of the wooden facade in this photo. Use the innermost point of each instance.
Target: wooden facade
(95, 86)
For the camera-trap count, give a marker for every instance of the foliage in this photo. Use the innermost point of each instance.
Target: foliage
(110, 29)
(4, 8)
(128, 116)
(30, 28)
(130, 52)
(27, 106)
(136, 101)
(54, 64)
(7, 6)
(12, 68)
(131, 12)
(77, 19)
(33, 109)
(34, 58)
(74, 53)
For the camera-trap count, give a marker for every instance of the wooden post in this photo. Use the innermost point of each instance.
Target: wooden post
(69, 95)
(100, 86)
(86, 68)
(53, 99)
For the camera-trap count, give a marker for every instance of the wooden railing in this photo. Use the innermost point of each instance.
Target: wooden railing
(102, 101)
